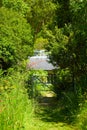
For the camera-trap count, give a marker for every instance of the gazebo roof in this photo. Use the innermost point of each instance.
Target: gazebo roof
(40, 62)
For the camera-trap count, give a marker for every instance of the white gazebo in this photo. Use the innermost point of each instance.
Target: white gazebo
(40, 61)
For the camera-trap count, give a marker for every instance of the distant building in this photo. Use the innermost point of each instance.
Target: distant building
(40, 61)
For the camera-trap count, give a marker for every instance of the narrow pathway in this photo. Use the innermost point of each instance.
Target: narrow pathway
(48, 99)
(47, 115)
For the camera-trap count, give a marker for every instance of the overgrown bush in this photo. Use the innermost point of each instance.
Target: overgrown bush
(14, 102)
(15, 38)
(62, 82)
(69, 92)
(36, 82)
(82, 117)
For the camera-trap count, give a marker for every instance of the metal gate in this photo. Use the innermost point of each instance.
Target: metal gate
(42, 83)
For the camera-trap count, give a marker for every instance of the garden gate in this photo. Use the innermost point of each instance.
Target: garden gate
(41, 83)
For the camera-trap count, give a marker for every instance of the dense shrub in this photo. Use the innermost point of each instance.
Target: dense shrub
(15, 39)
(15, 106)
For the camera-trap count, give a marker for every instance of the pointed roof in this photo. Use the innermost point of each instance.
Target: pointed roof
(40, 61)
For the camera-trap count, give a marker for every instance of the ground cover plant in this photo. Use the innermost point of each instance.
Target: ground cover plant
(18, 111)
(14, 103)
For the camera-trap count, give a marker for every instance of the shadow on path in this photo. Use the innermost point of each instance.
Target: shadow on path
(51, 110)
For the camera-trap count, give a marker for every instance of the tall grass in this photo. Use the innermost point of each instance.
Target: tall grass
(14, 102)
(82, 117)
(17, 110)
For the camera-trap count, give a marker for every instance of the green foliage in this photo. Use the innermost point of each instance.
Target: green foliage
(63, 82)
(63, 13)
(40, 43)
(15, 108)
(0, 3)
(68, 45)
(57, 46)
(36, 83)
(15, 39)
(82, 117)
(42, 13)
(17, 5)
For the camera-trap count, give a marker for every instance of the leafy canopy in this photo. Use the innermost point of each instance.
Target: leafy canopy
(15, 39)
